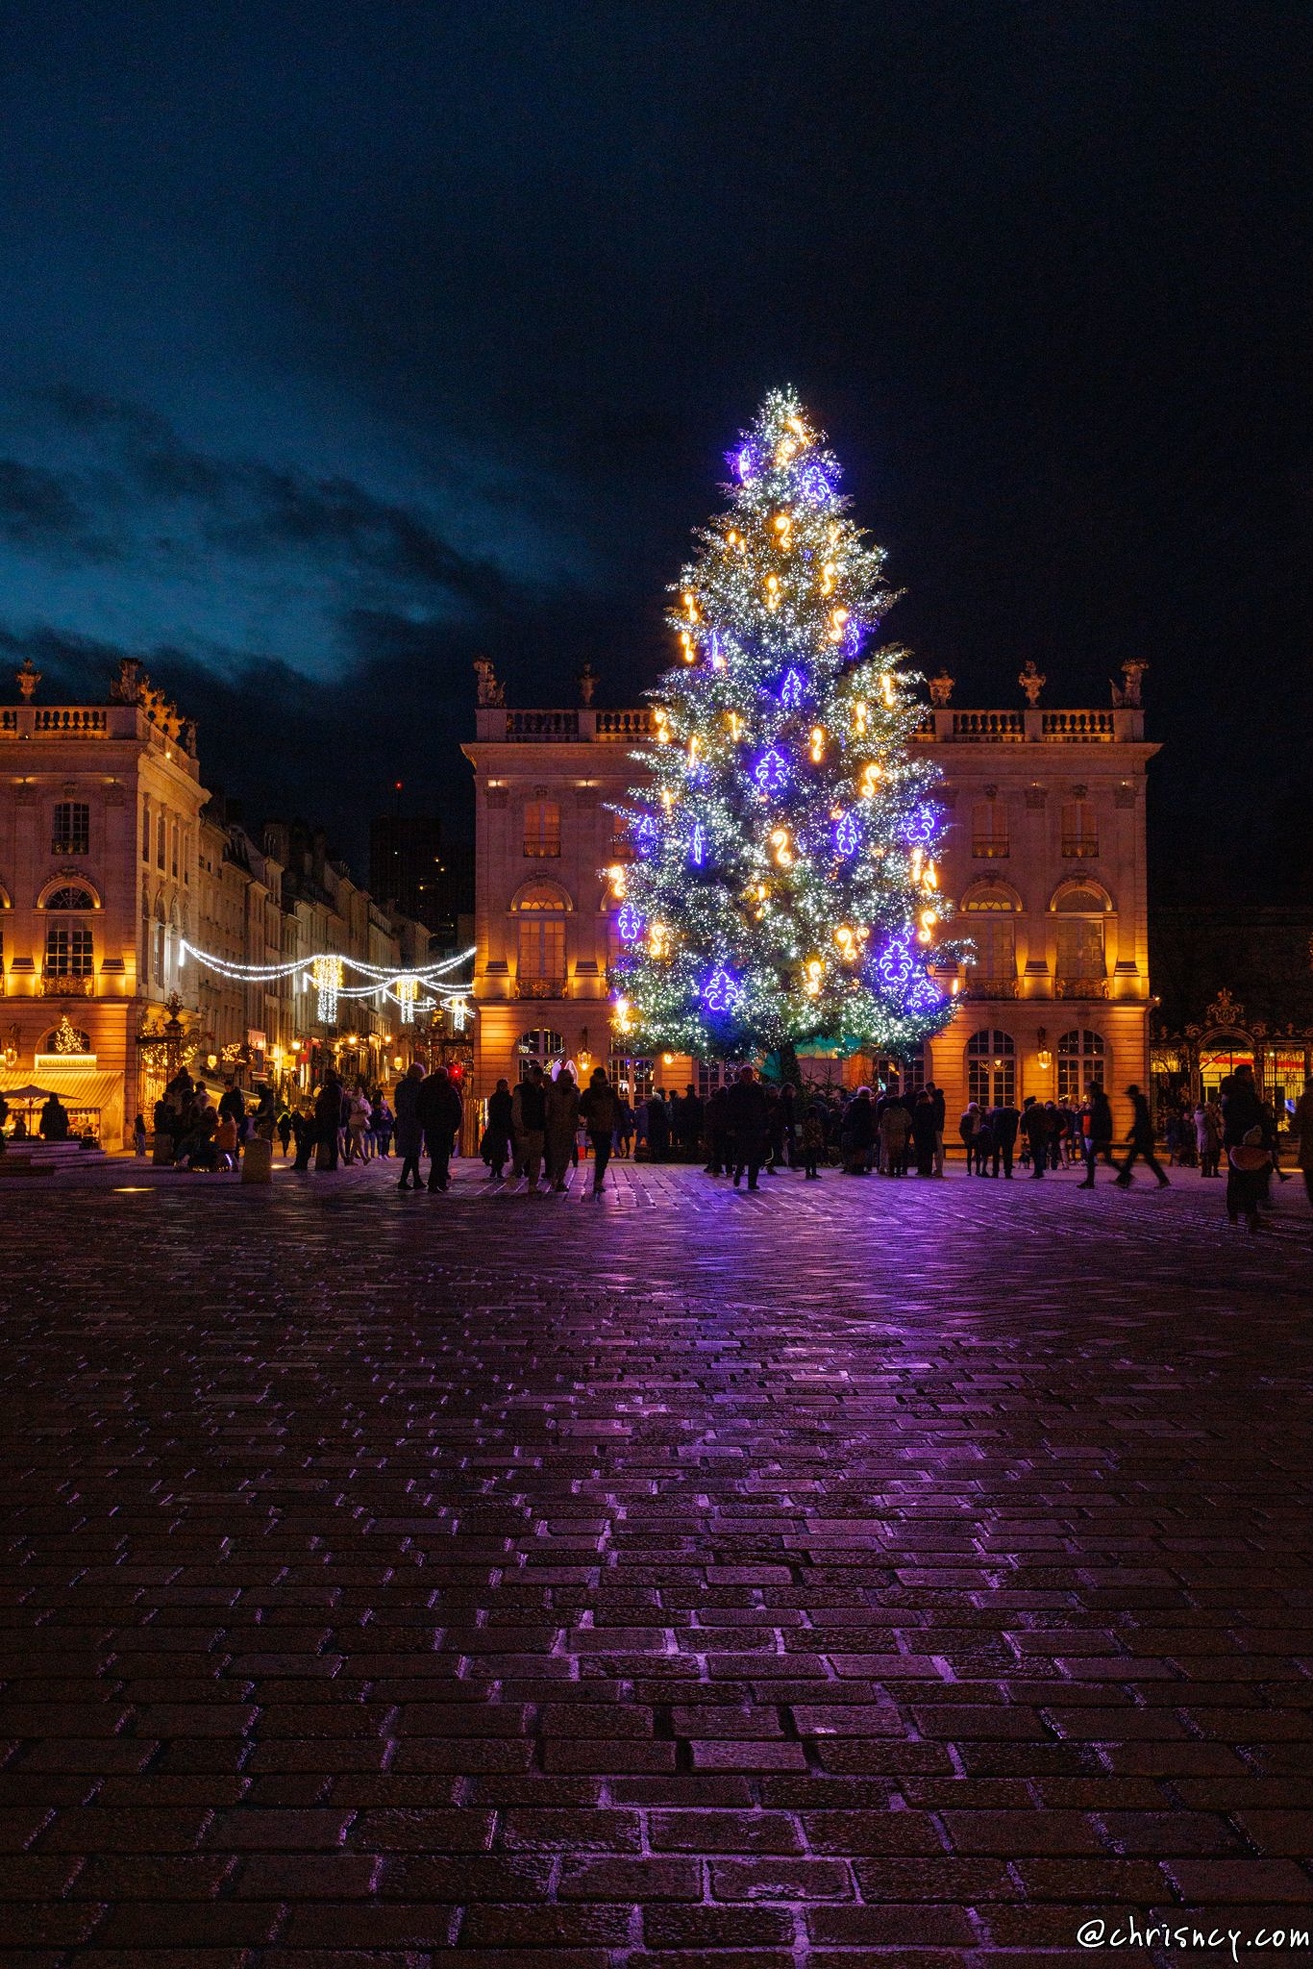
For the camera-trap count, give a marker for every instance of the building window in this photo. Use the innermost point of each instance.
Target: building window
(1080, 831)
(989, 830)
(145, 830)
(992, 1069)
(68, 952)
(890, 1076)
(542, 949)
(1081, 1063)
(174, 845)
(992, 969)
(70, 833)
(159, 936)
(540, 1047)
(632, 1079)
(1082, 966)
(542, 828)
(159, 842)
(711, 1075)
(69, 898)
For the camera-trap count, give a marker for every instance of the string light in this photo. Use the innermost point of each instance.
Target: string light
(817, 745)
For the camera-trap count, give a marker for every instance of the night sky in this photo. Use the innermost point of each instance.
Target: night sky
(339, 343)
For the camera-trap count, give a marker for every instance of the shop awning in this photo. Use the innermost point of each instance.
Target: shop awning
(75, 1090)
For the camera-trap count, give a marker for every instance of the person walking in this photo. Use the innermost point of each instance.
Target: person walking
(1096, 1126)
(139, 1134)
(858, 1132)
(1208, 1137)
(561, 1116)
(658, 1125)
(1035, 1128)
(408, 1126)
(1140, 1142)
(718, 1142)
(597, 1110)
(529, 1112)
(748, 1120)
(440, 1112)
(1301, 1128)
(284, 1129)
(624, 1126)
(501, 1127)
(357, 1122)
(303, 1134)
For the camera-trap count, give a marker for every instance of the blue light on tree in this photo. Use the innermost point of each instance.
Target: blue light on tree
(629, 923)
(921, 825)
(771, 773)
(895, 964)
(848, 835)
(646, 834)
(814, 483)
(924, 996)
(722, 991)
(697, 849)
(791, 690)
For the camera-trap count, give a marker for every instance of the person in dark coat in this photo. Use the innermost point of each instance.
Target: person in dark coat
(440, 1111)
(1243, 1126)
(658, 1125)
(969, 1129)
(923, 1132)
(497, 1140)
(747, 1116)
(719, 1146)
(1004, 1122)
(597, 1111)
(303, 1134)
(789, 1122)
(1096, 1128)
(1140, 1142)
(328, 1118)
(857, 1133)
(54, 1120)
(409, 1128)
(692, 1116)
(941, 1117)
(1035, 1128)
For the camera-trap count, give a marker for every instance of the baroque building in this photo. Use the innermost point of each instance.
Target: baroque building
(1044, 858)
(116, 867)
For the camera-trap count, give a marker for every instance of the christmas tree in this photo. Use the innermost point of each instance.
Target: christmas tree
(784, 886)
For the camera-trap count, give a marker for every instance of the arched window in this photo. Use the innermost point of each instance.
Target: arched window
(542, 827)
(69, 897)
(989, 830)
(541, 910)
(1082, 1059)
(1082, 970)
(66, 1039)
(992, 970)
(992, 1069)
(539, 1048)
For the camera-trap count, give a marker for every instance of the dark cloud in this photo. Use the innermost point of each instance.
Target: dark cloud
(37, 510)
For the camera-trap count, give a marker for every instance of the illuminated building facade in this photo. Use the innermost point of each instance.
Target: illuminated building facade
(1044, 858)
(113, 861)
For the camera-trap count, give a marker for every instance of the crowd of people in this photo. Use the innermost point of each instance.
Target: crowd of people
(745, 1129)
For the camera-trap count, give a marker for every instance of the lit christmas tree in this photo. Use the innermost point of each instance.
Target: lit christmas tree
(784, 887)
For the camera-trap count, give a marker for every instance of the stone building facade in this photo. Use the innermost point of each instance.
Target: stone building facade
(113, 858)
(1044, 857)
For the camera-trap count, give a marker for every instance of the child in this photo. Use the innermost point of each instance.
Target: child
(813, 1141)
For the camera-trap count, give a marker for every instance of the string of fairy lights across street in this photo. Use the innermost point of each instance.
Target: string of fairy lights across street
(327, 973)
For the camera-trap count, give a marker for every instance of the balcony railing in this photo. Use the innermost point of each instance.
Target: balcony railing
(1079, 726)
(540, 988)
(1080, 847)
(61, 984)
(1081, 988)
(989, 987)
(988, 847)
(76, 720)
(1008, 725)
(617, 726)
(545, 725)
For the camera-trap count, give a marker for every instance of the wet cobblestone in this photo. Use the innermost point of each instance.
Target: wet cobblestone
(854, 1573)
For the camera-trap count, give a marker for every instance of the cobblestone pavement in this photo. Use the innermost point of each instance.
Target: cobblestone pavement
(856, 1573)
